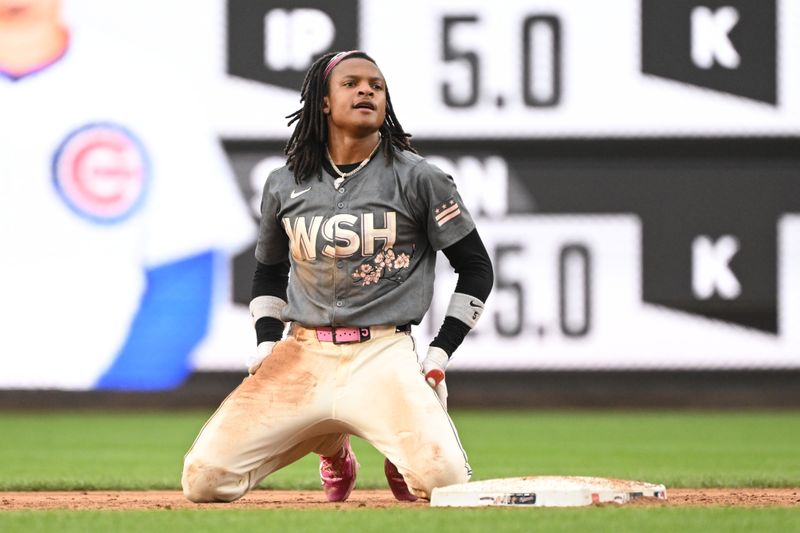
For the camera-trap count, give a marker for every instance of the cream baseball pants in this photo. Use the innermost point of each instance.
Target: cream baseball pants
(307, 396)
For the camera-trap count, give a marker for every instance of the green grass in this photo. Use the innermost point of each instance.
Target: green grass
(654, 520)
(70, 451)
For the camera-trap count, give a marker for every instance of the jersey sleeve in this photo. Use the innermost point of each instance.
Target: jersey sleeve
(439, 206)
(273, 242)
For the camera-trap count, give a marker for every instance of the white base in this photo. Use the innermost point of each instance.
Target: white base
(544, 491)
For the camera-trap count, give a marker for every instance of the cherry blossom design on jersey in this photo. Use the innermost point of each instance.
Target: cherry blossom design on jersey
(384, 265)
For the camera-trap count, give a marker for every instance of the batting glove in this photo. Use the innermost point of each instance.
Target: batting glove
(262, 351)
(433, 368)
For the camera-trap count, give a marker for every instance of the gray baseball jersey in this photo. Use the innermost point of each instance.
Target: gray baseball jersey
(362, 254)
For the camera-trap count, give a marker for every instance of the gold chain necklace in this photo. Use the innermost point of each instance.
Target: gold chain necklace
(345, 175)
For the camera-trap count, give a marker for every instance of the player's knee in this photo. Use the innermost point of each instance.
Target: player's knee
(445, 473)
(454, 471)
(203, 483)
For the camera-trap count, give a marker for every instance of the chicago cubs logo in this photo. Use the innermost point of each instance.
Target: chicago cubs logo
(101, 171)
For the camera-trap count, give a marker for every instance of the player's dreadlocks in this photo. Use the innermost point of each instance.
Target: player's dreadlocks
(306, 146)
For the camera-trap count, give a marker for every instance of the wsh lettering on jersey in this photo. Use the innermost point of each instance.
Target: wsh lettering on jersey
(725, 45)
(275, 41)
(342, 235)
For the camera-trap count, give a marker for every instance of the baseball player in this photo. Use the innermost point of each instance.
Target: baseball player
(346, 254)
(109, 183)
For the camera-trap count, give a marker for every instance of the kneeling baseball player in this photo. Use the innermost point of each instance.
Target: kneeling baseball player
(346, 254)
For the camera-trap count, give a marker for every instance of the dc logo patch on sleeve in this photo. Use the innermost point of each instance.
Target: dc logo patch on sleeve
(446, 211)
(101, 171)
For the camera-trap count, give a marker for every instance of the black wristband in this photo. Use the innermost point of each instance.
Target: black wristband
(450, 335)
(268, 329)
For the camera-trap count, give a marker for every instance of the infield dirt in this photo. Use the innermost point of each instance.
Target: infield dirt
(267, 499)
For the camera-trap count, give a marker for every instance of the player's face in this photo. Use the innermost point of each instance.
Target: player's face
(356, 100)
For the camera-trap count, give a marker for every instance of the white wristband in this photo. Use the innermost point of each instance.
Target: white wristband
(465, 308)
(262, 306)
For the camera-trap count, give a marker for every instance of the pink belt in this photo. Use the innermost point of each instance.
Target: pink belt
(344, 335)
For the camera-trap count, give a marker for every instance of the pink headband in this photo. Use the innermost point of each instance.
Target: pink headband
(335, 60)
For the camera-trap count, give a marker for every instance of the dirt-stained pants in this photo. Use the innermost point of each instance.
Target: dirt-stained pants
(306, 396)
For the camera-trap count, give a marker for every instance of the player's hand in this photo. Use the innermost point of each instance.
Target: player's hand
(262, 351)
(433, 367)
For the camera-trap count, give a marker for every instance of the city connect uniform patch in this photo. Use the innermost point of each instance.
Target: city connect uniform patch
(446, 211)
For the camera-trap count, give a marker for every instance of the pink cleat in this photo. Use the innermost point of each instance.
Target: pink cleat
(397, 483)
(338, 474)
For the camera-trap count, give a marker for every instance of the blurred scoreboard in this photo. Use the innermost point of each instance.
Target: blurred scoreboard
(532, 68)
(633, 166)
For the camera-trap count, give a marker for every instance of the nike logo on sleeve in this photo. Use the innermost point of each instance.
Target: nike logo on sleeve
(295, 194)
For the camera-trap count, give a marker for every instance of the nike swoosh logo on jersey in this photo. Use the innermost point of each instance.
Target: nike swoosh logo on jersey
(473, 304)
(295, 194)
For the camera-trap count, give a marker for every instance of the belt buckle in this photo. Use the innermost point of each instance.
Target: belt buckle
(363, 335)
